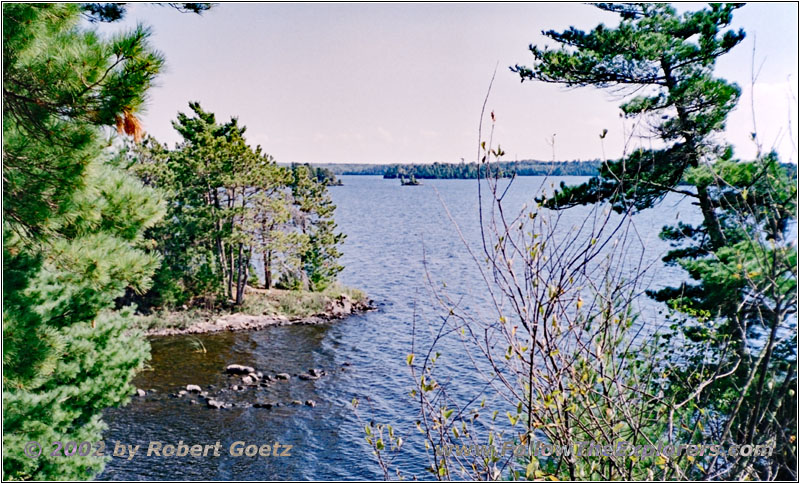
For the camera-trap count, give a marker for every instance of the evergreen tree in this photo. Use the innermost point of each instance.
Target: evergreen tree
(277, 242)
(669, 58)
(73, 224)
(199, 179)
(315, 214)
(737, 311)
(228, 203)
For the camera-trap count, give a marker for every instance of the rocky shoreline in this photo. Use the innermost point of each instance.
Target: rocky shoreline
(337, 308)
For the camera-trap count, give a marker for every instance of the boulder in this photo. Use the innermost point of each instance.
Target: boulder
(215, 404)
(193, 388)
(140, 392)
(347, 304)
(265, 405)
(306, 376)
(247, 380)
(316, 372)
(239, 370)
(282, 376)
(311, 403)
(296, 402)
(182, 393)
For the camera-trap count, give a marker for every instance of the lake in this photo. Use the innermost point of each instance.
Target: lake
(388, 227)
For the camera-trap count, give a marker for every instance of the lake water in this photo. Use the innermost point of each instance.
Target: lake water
(387, 227)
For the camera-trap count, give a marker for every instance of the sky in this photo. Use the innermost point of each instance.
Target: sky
(404, 83)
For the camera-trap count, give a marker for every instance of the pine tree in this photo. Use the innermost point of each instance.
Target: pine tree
(227, 204)
(668, 60)
(73, 224)
(316, 210)
(736, 310)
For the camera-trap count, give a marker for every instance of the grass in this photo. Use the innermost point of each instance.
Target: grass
(273, 302)
(294, 304)
(179, 319)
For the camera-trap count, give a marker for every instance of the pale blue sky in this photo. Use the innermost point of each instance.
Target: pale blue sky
(389, 83)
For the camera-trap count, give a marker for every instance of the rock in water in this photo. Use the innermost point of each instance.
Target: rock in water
(215, 404)
(311, 403)
(282, 376)
(193, 388)
(239, 370)
(140, 392)
(266, 405)
(247, 380)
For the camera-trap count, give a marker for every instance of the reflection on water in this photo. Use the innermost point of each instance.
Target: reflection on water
(364, 356)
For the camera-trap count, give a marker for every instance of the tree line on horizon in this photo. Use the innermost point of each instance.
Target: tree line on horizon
(463, 170)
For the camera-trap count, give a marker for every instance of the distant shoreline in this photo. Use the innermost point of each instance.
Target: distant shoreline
(465, 171)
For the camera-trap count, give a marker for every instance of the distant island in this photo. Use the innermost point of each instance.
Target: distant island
(467, 170)
(409, 181)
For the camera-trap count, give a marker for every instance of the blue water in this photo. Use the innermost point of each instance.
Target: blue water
(393, 233)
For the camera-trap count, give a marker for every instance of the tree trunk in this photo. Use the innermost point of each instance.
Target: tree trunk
(220, 246)
(232, 267)
(268, 269)
(239, 274)
(230, 275)
(710, 218)
(709, 215)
